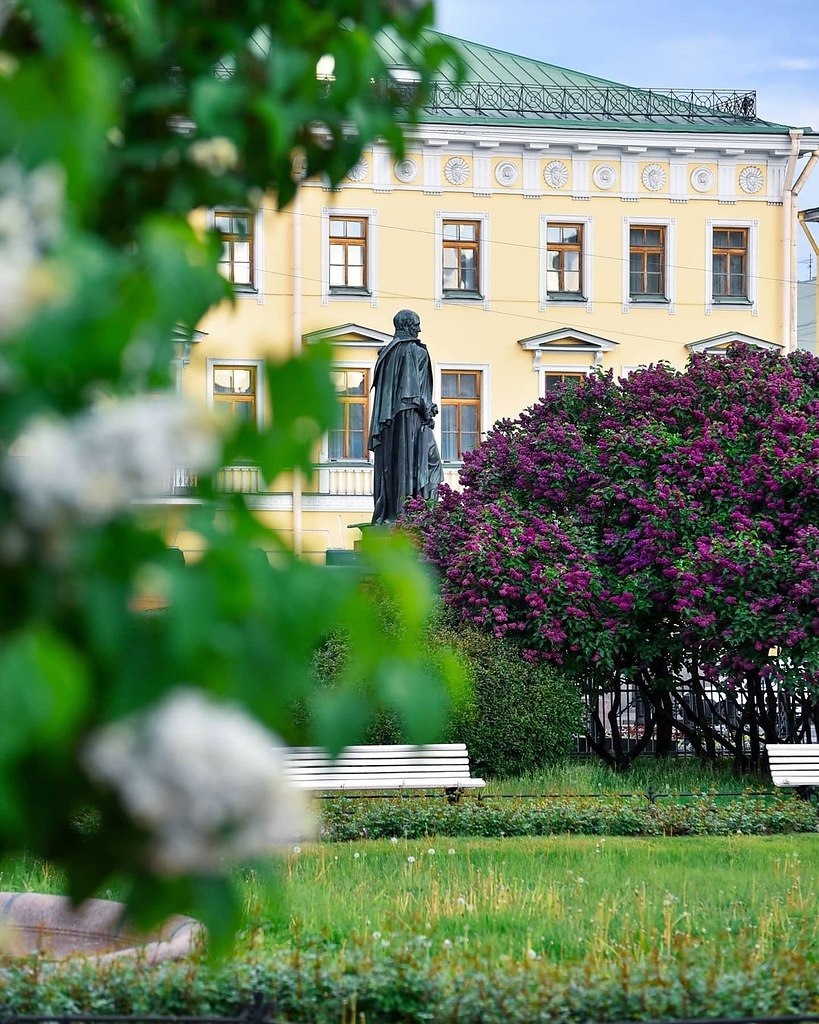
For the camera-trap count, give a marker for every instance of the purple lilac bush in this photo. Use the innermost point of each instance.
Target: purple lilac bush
(661, 532)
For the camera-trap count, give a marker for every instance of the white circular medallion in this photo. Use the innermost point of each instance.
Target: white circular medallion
(750, 179)
(406, 170)
(506, 173)
(653, 177)
(555, 174)
(456, 170)
(359, 170)
(702, 179)
(604, 176)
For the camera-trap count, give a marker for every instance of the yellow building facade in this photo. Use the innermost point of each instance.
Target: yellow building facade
(536, 245)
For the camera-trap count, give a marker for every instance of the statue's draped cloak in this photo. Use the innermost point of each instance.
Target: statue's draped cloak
(407, 461)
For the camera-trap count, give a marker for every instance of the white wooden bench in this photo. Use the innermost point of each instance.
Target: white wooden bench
(396, 766)
(794, 764)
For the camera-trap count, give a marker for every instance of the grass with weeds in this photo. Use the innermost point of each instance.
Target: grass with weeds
(568, 900)
(487, 931)
(659, 775)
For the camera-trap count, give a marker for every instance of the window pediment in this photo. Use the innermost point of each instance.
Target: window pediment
(349, 336)
(567, 339)
(720, 343)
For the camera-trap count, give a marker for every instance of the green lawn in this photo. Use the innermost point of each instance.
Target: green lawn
(667, 775)
(566, 899)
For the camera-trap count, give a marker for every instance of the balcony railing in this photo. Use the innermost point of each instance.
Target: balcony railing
(344, 480)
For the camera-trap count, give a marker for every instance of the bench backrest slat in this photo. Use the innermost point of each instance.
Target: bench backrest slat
(794, 764)
(381, 767)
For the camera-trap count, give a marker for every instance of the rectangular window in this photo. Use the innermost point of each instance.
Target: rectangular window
(461, 256)
(647, 262)
(236, 262)
(460, 413)
(348, 253)
(730, 263)
(564, 259)
(235, 392)
(348, 437)
(552, 381)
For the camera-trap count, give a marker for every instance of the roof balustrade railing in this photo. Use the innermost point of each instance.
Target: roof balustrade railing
(494, 99)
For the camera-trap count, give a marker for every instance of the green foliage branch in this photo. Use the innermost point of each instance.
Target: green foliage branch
(119, 120)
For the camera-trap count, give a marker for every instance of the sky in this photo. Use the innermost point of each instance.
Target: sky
(771, 47)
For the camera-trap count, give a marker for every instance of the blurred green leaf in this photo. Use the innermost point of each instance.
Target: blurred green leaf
(44, 690)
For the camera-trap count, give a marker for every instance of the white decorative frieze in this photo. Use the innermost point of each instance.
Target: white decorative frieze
(456, 170)
(506, 173)
(654, 177)
(604, 176)
(556, 174)
(482, 175)
(531, 175)
(580, 176)
(629, 171)
(727, 180)
(432, 171)
(382, 169)
(359, 170)
(702, 179)
(750, 180)
(406, 170)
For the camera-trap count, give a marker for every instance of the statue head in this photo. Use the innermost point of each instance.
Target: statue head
(407, 324)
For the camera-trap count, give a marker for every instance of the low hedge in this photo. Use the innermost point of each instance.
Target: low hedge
(324, 987)
(345, 818)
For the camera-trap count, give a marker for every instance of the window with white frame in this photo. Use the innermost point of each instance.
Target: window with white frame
(731, 261)
(347, 438)
(461, 261)
(648, 262)
(462, 257)
(565, 260)
(463, 411)
(348, 254)
(553, 380)
(235, 389)
(242, 248)
(460, 412)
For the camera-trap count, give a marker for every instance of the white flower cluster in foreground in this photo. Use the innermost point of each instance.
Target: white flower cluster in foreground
(204, 779)
(95, 464)
(30, 223)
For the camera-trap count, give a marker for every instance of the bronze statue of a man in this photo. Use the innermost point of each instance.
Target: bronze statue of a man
(407, 460)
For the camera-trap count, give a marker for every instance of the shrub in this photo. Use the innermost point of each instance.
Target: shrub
(517, 718)
(521, 716)
(659, 535)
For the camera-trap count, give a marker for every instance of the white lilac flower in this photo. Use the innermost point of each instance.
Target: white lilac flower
(92, 466)
(30, 223)
(217, 155)
(204, 780)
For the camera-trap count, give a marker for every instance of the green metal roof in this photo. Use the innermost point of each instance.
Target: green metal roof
(503, 88)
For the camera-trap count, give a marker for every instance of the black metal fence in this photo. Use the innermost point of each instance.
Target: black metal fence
(625, 716)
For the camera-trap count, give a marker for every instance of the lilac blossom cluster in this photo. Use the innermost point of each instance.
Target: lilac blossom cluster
(615, 523)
